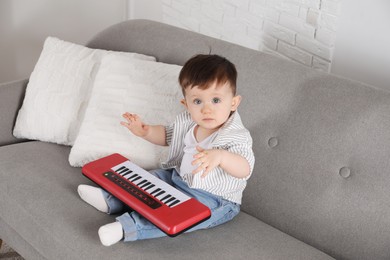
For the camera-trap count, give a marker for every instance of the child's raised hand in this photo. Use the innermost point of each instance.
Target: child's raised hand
(135, 125)
(207, 160)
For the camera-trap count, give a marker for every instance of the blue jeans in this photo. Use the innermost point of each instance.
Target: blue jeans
(136, 227)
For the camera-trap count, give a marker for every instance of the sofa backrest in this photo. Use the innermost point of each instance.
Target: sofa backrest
(13, 92)
(322, 143)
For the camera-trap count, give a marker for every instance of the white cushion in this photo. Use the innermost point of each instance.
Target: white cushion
(149, 89)
(58, 91)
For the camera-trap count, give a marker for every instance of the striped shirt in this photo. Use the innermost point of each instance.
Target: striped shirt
(232, 136)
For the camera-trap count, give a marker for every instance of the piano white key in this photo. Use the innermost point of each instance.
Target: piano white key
(136, 181)
(132, 176)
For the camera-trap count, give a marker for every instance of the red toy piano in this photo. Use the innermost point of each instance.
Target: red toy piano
(166, 207)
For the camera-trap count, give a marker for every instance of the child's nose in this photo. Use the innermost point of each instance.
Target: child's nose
(206, 108)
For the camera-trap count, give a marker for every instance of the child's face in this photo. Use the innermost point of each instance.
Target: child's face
(211, 107)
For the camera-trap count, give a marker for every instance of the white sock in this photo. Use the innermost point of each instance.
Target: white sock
(111, 233)
(93, 196)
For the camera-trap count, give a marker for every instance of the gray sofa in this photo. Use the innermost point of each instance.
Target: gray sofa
(320, 187)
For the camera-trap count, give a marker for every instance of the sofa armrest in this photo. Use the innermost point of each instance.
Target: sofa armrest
(11, 98)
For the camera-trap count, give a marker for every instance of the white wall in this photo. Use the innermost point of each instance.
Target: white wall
(145, 9)
(346, 37)
(363, 42)
(299, 30)
(24, 25)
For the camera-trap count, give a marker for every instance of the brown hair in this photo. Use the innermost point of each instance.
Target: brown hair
(203, 70)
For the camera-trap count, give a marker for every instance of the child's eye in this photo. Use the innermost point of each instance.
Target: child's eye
(197, 101)
(216, 100)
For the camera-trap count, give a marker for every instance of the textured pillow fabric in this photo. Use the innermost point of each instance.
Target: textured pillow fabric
(149, 89)
(58, 91)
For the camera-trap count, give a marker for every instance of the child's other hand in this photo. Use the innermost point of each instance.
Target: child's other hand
(207, 160)
(135, 125)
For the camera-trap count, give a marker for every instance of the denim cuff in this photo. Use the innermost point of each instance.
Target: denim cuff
(114, 205)
(129, 227)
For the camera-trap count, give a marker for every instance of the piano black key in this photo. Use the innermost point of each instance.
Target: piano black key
(124, 171)
(144, 185)
(149, 187)
(141, 182)
(169, 200)
(132, 176)
(158, 194)
(121, 168)
(173, 203)
(127, 173)
(136, 179)
(166, 197)
(156, 190)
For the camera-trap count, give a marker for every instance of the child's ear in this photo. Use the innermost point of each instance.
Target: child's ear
(184, 103)
(236, 102)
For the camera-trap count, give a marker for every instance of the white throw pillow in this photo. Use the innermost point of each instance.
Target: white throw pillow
(148, 89)
(58, 91)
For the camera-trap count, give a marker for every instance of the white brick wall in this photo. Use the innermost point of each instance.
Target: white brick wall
(300, 30)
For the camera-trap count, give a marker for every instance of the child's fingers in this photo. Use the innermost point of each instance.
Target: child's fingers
(198, 155)
(202, 164)
(202, 152)
(197, 170)
(135, 118)
(200, 158)
(130, 117)
(125, 124)
(126, 115)
(196, 161)
(201, 168)
(204, 174)
(200, 149)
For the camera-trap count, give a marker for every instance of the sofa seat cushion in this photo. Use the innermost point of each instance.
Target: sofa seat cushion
(40, 203)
